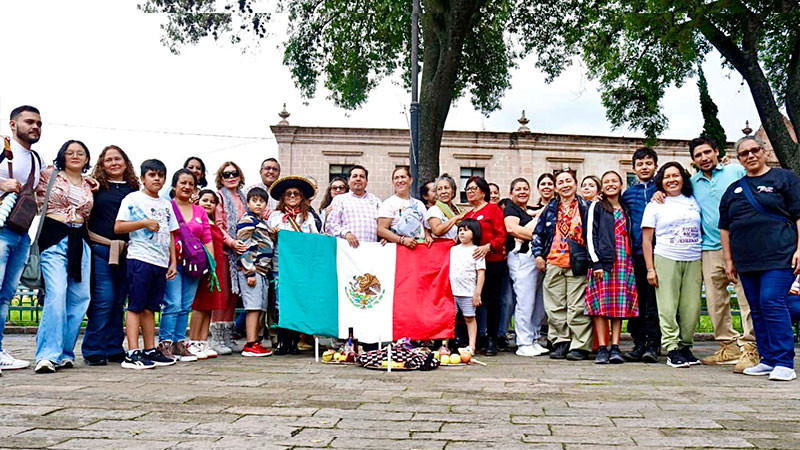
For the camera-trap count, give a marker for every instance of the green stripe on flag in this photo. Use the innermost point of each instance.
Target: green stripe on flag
(307, 285)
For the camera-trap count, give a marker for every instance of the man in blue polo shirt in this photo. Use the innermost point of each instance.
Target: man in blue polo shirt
(709, 185)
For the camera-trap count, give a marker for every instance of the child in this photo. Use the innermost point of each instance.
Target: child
(210, 295)
(254, 264)
(466, 277)
(150, 221)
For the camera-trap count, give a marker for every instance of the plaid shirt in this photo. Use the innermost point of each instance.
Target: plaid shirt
(351, 214)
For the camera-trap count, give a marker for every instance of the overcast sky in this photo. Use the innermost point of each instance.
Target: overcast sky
(98, 72)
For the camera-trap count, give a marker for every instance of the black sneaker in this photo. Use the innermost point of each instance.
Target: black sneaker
(615, 357)
(686, 352)
(560, 350)
(502, 344)
(116, 358)
(675, 359)
(94, 361)
(137, 361)
(577, 355)
(158, 358)
(602, 355)
(634, 355)
(650, 356)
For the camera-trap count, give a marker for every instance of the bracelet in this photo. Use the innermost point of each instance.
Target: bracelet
(651, 270)
(401, 240)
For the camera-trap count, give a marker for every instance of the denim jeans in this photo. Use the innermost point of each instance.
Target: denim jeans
(529, 311)
(508, 299)
(104, 336)
(64, 305)
(178, 300)
(767, 292)
(14, 249)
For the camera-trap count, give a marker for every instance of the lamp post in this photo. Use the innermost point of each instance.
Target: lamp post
(413, 152)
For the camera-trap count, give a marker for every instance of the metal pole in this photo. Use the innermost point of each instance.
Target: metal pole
(413, 153)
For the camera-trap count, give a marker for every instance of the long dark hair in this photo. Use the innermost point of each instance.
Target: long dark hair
(328, 198)
(177, 176)
(604, 200)
(129, 175)
(61, 159)
(201, 182)
(687, 179)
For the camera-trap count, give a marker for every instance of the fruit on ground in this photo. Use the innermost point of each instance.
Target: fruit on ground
(466, 358)
(328, 355)
(455, 359)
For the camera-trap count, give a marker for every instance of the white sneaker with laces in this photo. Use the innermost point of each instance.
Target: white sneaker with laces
(207, 349)
(8, 362)
(196, 349)
(759, 370)
(541, 350)
(527, 350)
(781, 373)
(45, 366)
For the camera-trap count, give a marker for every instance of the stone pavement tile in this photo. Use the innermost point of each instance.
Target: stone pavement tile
(141, 426)
(763, 425)
(404, 407)
(316, 404)
(791, 416)
(72, 434)
(602, 447)
(589, 412)
(360, 424)
(263, 429)
(594, 438)
(693, 441)
(712, 415)
(672, 422)
(498, 410)
(295, 422)
(503, 446)
(97, 413)
(484, 419)
(597, 421)
(10, 431)
(732, 406)
(28, 410)
(361, 414)
(411, 393)
(115, 443)
(232, 443)
(378, 396)
(171, 416)
(270, 411)
(471, 432)
(66, 422)
(744, 434)
(577, 430)
(774, 443)
(33, 442)
(322, 437)
(359, 443)
(614, 405)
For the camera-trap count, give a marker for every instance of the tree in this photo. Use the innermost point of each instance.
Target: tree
(638, 48)
(711, 126)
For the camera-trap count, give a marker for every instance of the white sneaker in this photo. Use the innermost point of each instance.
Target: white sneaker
(526, 350)
(45, 366)
(207, 349)
(758, 370)
(781, 373)
(8, 362)
(541, 350)
(196, 349)
(466, 349)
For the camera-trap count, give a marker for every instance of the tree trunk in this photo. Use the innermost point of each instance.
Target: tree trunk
(445, 25)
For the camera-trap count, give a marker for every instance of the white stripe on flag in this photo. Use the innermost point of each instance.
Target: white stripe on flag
(365, 278)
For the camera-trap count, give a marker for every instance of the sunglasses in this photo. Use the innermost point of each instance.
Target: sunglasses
(747, 152)
(338, 188)
(293, 194)
(230, 174)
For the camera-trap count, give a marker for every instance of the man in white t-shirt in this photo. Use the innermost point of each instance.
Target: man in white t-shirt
(26, 128)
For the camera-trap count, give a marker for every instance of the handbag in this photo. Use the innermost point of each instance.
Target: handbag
(25, 208)
(32, 272)
(748, 193)
(194, 261)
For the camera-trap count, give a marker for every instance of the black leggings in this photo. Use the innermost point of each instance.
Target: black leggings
(490, 295)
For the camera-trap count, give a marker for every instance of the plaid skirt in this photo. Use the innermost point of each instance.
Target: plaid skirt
(616, 295)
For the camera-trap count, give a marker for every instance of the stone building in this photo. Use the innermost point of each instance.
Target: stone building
(324, 152)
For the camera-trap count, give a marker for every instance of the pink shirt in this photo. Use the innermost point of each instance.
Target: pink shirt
(58, 202)
(198, 224)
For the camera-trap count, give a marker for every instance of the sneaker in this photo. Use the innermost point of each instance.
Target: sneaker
(687, 354)
(45, 366)
(181, 353)
(728, 353)
(65, 364)
(615, 356)
(217, 330)
(781, 373)
(759, 369)
(602, 355)
(210, 352)
(464, 350)
(502, 344)
(8, 362)
(158, 358)
(118, 358)
(527, 350)
(560, 350)
(675, 359)
(650, 355)
(749, 358)
(137, 361)
(540, 349)
(94, 361)
(256, 350)
(196, 349)
(634, 355)
(577, 355)
(165, 347)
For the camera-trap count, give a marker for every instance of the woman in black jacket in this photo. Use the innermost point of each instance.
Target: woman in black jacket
(611, 291)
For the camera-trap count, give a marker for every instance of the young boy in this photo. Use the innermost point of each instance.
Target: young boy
(150, 222)
(255, 264)
(644, 329)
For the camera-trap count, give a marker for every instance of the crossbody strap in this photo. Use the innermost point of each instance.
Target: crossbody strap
(46, 200)
(748, 193)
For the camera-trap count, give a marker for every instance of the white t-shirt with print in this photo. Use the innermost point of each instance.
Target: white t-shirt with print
(436, 212)
(396, 208)
(678, 230)
(463, 270)
(145, 245)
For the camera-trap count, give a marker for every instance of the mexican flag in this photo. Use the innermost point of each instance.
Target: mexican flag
(384, 292)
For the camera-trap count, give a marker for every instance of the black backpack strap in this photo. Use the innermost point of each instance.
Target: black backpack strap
(748, 193)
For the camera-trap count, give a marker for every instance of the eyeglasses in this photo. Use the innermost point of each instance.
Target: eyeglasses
(293, 194)
(270, 169)
(79, 153)
(338, 188)
(747, 152)
(230, 174)
(472, 188)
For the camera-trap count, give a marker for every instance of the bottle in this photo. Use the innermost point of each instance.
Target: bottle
(348, 347)
(795, 289)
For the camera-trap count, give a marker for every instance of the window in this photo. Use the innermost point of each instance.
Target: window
(466, 173)
(339, 170)
(631, 179)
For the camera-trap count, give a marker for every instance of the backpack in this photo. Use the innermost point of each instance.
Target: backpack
(193, 261)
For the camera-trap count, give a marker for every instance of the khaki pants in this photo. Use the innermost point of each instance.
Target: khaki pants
(718, 300)
(565, 302)
(678, 294)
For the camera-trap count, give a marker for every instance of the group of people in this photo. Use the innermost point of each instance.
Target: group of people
(568, 268)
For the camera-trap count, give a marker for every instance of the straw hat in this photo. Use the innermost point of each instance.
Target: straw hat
(282, 184)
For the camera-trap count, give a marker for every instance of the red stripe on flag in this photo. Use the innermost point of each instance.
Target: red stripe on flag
(423, 300)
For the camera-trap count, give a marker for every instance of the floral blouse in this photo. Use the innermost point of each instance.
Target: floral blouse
(59, 202)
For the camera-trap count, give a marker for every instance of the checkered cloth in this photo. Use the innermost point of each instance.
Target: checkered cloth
(616, 295)
(411, 359)
(349, 213)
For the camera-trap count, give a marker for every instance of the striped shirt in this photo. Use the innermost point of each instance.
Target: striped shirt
(349, 213)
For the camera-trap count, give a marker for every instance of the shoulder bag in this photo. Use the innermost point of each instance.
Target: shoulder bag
(32, 272)
(25, 209)
(194, 261)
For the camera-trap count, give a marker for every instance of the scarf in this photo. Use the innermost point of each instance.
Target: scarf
(448, 212)
(290, 216)
(232, 215)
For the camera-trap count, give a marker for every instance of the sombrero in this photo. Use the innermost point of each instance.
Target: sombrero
(282, 184)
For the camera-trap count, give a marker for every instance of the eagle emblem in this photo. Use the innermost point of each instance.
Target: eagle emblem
(364, 291)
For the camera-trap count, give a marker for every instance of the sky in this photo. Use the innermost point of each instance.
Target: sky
(99, 73)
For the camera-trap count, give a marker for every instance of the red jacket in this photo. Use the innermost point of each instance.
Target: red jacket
(493, 230)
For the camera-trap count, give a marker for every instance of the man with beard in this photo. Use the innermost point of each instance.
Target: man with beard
(26, 127)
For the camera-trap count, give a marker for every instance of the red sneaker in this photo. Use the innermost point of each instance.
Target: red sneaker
(256, 350)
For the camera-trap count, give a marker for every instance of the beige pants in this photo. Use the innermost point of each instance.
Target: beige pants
(565, 302)
(718, 300)
(678, 298)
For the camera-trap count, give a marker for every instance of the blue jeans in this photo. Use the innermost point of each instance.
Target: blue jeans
(14, 249)
(508, 298)
(65, 304)
(104, 336)
(178, 300)
(767, 292)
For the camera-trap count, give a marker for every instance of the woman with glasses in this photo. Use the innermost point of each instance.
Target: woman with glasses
(232, 205)
(292, 214)
(493, 239)
(759, 218)
(444, 216)
(336, 187)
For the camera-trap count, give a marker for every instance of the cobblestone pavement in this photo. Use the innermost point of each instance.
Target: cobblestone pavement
(291, 402)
